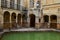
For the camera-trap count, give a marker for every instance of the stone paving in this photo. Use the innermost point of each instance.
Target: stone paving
(29, 29)
(33, 29)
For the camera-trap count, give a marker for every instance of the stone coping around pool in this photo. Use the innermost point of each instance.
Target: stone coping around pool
(31, 29)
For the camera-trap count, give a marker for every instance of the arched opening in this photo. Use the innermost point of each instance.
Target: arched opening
(32, 20)
(19, 20)
(24, 20)
(6, 19)
(46, 21)
(46, 18)
(53, 20)
(13, 20)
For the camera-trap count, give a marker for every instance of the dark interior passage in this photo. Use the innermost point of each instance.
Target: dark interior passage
(19, 20)
(13, 20)
(46, 18)
(53, 20)
(32, 20)
(6, 19)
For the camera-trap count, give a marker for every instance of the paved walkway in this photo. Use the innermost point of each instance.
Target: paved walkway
(32, 29)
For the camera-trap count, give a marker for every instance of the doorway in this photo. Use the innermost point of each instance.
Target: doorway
(32, 20)
(46, 21)
(13, 20)
(53, 19)
(6, 20)
(19, 20)
(46, 18)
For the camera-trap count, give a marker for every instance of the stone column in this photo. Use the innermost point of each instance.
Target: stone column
(58, 22)
(1, 18)
(37, 22)
(16, 19)
(15, 6)
(10, 21)
(49, 22)
(8, 5)
(42, 21)
(0, 3)
(28, 21)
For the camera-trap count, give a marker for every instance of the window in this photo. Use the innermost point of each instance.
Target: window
(31, 3)
(4, 3)
(12, 3)
(18, 4)
(38, 4)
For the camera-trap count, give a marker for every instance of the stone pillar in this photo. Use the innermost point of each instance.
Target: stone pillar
(28, 18)
(49, 22)
(42, 21)
(58, 22)
(8, 5)
(1, 18)
(37, 22)
(28, 21)
(10, 21)
(16, 20)
(0, 3)
(15, 6)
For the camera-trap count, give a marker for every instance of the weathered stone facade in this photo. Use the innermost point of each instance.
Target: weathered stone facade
(35, 13)
(51, 8)
(7, 20)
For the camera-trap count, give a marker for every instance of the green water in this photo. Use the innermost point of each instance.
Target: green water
(31, 36)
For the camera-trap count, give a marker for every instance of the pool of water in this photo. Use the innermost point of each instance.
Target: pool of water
(31, 36)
